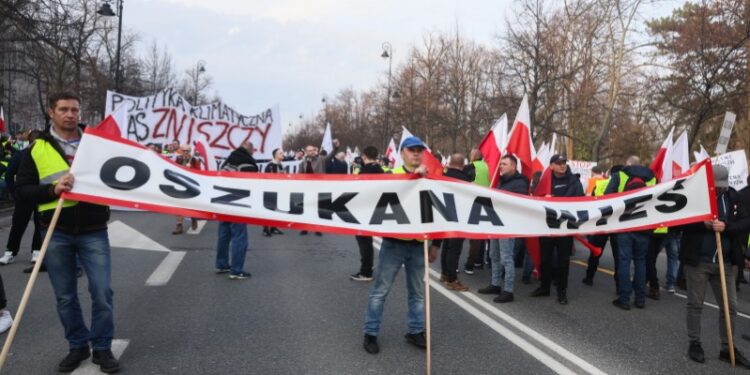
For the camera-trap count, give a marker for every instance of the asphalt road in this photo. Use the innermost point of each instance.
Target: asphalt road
(300, 314)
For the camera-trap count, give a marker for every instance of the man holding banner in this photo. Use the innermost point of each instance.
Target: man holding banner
(80, 235)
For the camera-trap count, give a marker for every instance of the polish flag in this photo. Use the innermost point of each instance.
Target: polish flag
(110, 126)
(680, 156)
(405, 133)
(493, 144)
(520, 143)
(662, 164)
(701, 155)
(208, 162)
(434, 166)
(392, 152)
(2, 121)
(543, 154)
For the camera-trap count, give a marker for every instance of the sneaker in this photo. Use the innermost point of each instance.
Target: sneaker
(34, 256)
(478, 266)
(359, 276)
(456, 286)
(5, 320)
(540, 292)
(222, 270)
(504, 297)
(239, 276)
(194, 224)
(416, 339)
(739, 359)
(670, 290)
(106, 361)
(371, 344)
(653, 293)
(275, 230)
(490, 289)
(7, 258)
(469, 271)
(73, 359)
(622, 305)
(695, 352)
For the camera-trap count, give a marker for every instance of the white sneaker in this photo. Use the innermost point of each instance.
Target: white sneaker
(7, 258)
(5, 320)
(34, 256)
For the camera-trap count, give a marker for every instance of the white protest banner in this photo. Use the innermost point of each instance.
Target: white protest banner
(166, 116)
(726, 133)
(110, 170)
(582, 168)
(736, 162)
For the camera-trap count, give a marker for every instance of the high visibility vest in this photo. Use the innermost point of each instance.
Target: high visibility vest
(401, 170)
(51, 166)
(624, 181)
(481, 173)
(385, 169)
(601, 185)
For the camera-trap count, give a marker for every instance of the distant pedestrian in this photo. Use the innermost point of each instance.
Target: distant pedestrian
(274, 166)
(366, 251)
(186, 159)
(451, 251)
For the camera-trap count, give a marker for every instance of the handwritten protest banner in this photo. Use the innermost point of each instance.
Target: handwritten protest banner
(167, 116)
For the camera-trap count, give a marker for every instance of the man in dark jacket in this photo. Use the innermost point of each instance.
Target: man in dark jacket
(502, 250)
(556, 251)
(699, 254)
(451, 251)
(366, 252)
(81, 233)
(235, 234)
(631, 246)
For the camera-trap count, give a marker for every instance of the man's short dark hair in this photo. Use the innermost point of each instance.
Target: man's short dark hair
(511, 158)
(63, 95)
(371, 152)
(597, 169)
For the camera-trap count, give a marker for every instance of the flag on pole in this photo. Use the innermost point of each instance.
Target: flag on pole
(544, 154)
(405, 133)
(2, 121)
(680, 156)
(493, 144)
(392, 152)
(662, 164)
(327, 144)
(520, 143)
(434, 166)
(207, 159)
(701, 155)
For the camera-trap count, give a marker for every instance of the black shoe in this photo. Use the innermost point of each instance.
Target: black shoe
(540, 292)
(491, 289)
(504, 297)
(106, 361)
(42, 268)
(73, 359)
(562, 297)
(695, 352)
(275, 230)
(303, 233)
(416, 339)
(371, 344)
(318, 234)
(739, 359)
(266, 233)
(359, 276)
(587, 281)
(620, 304)
(640, 304)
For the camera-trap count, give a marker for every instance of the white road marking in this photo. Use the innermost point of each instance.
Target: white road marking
(164, 272)
(124, 236)
(201, 224)
(525, 345)
(89, 368)
(714, 306)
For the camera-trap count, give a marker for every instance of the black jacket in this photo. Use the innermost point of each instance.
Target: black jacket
(240, 160)
(274, 168)
(457, 174)
(515, 183)
(644, 173)
(569, 185)
(81, 218)
(371, 168)
(10, 173)
(337, 166)
(737, 220)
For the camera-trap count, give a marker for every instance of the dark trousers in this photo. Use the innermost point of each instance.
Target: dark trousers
(593, 263)
(3, 301)
(476, 253)
(555, 261)
(21, 215)
(365, 255)
(449, 256)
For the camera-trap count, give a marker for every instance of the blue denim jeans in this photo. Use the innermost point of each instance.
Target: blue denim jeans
(236, 234)
(503, 266)
(393, 254)
(92, 249)
(632, 246)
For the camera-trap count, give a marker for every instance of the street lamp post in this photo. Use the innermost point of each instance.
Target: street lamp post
(388, 54)
(199, 68)
(106, 10)
(325, 110)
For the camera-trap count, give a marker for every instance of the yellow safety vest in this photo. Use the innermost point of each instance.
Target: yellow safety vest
(481, 173)
(624, 181)
(385, 169)
(601, 185)
(51, 166)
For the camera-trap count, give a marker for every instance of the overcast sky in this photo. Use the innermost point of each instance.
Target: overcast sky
(292, 52)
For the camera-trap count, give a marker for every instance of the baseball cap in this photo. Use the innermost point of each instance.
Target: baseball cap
(721, 176)
(412, 142)
(557, 158)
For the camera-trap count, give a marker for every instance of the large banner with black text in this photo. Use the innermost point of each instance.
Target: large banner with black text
(111, 170)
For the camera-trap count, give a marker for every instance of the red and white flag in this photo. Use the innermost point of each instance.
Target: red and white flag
(493, 144)
(662, 164)
(701, 155)
(434, 166)
(392, 152)
(2, 121)
(207, 159)
(680, 156)
(520, 143)
(543, 154)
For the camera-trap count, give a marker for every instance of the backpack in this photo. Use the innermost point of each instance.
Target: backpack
(634, 183)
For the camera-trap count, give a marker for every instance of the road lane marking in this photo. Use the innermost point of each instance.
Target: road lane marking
(166, 268)
(124, 236)
(89, 368)
(201, 224)
(600, 269)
